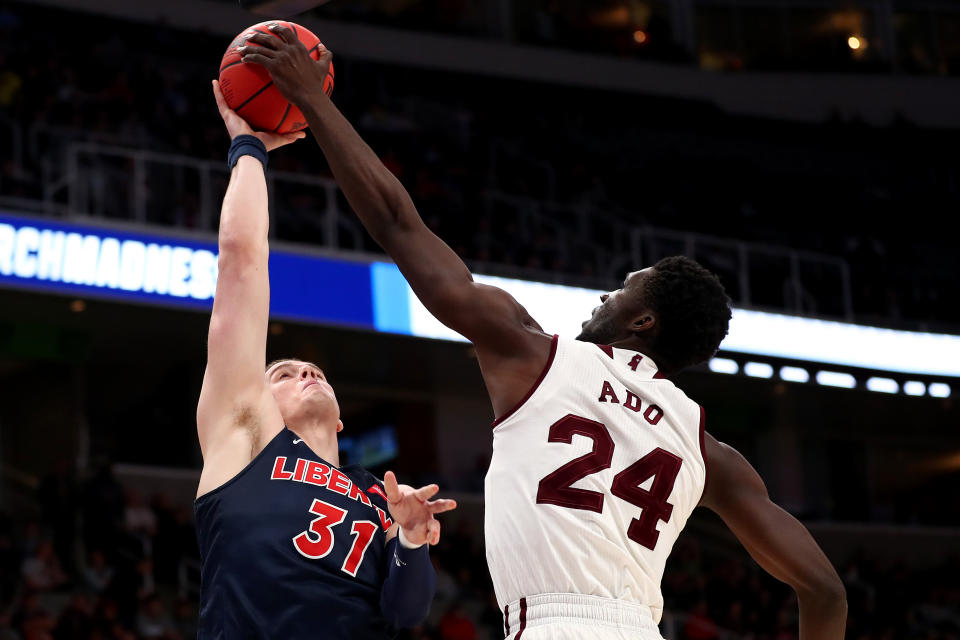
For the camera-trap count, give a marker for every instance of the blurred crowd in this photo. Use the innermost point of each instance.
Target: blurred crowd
(519, 178)
(94, 560)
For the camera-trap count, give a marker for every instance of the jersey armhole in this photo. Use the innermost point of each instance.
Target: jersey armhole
(703, 452)
(536, 385)
(199, 500)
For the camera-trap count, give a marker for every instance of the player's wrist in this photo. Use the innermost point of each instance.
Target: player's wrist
(310, 97)
(405, 541)
(246, 144)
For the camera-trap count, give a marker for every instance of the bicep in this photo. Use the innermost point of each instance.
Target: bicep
(487, 316)
(774, 538)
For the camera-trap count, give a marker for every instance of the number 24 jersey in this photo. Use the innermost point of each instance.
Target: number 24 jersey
(592, 478)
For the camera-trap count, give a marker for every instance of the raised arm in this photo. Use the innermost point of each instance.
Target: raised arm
(500, 328)
(776, 540)
(236, 415)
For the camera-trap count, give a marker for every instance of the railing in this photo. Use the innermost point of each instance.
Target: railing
(110, 181)
(757, 275)
(15, 135)
(158, 188)
(746, 262)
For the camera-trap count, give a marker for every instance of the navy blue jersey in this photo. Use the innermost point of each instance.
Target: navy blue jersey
(293, 548)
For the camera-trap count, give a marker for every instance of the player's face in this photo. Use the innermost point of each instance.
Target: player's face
(610, 322)
(301, 391)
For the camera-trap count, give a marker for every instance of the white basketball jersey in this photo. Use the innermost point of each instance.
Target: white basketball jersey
(592, 479)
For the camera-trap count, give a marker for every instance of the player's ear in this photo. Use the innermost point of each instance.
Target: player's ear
(339, 426)
(646, 321)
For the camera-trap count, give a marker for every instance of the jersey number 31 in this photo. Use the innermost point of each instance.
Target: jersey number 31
(659, 464)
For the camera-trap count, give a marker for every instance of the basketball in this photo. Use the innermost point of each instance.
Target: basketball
(250, 92)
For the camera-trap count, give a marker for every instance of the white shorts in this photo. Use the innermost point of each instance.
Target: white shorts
(571, 616)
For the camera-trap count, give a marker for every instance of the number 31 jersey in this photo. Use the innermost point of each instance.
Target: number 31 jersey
(293, 547)
(592, 478)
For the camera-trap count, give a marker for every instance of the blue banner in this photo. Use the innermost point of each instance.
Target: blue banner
(74, 259)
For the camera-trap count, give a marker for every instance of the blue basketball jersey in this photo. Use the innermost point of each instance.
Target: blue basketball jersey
(293, 548)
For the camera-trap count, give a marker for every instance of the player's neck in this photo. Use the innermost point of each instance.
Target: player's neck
(633, 344)
(321, 438)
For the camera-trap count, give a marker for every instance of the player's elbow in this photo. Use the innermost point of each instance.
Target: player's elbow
(826, 588)
(239, 249)
(406, 612)
(406, 619)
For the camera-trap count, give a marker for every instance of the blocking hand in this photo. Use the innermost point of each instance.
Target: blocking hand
(413, 510)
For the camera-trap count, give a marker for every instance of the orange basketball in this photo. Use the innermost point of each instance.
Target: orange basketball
(249, 90)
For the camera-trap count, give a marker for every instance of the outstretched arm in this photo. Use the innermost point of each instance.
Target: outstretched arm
(236, 414)
(776, 540)
(489, 317)
(411, 581)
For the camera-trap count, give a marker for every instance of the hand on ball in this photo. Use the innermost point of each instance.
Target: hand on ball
(237, 126)
(294, 72)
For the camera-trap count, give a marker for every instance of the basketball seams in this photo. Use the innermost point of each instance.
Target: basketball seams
(258, 92)
(286, 112)
(230, 64)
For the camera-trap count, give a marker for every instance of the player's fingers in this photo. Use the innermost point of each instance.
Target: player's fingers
(256, 58)
(439, 506)
(218, 96)
(433, 531)
(286, 34)
(265, 40)
(425, 493)
(326, 56)
(391, 486)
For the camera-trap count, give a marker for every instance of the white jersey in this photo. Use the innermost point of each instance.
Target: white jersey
(592, 479)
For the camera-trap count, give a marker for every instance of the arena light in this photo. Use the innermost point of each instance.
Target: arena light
(883, 385)
(836, 379)
(855, 42)
(758, 370)
(794, 374)
(939, 390)
(841, 343)
(90, 261)
(914, 388)
(724, 365)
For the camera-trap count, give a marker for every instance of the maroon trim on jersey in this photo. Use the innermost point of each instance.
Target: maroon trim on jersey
(506, 620)
(703, 450)
(607, 349)
(523, 618)
(659, 376)
(536, 385)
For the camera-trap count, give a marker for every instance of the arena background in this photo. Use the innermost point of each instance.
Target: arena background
(806, 151)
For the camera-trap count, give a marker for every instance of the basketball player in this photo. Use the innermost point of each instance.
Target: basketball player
(294, 545)
(598, 458)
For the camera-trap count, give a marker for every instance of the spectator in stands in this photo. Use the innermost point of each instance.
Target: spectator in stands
(97, 574)
(153, 620)
(456, 625)
(76, 621)
(139, 520)
(42, 570)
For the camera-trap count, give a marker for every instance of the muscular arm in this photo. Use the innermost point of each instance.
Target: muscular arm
(235, 411)
(509, 342)
(236, 414)
(776, 540)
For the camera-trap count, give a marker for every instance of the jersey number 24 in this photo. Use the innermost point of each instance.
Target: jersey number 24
(659, 464)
